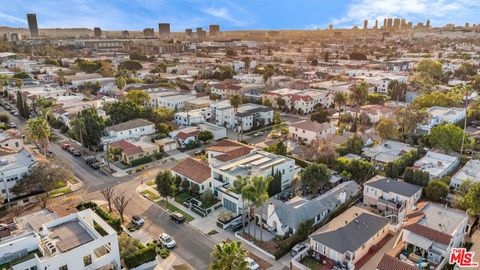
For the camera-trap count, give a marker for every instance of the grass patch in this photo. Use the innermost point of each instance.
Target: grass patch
(182, 197)
(212, 232)
(312, 263)
(173, 208)
(150, 195)
(59, 192)
(150, 183)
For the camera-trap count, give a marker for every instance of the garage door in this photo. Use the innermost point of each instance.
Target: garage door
(229, 205)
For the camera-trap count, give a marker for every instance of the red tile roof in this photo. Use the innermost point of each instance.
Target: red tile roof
(388, 263)
(185, 135)
(128, 148)
(193, 169)
(429, 233)
(230, 149)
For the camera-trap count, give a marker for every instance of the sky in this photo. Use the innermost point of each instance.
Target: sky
(233, 14)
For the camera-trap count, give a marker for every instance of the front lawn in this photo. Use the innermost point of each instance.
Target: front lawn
(150, 195)
(173, 208)
(182, 197)
(61, 191)
(311, 263)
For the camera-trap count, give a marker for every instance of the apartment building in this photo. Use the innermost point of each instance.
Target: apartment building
(42, 240)
(135, 128)
(308, 131)
(469, 172)
(441, 115)
(436, 164)
(13, 166)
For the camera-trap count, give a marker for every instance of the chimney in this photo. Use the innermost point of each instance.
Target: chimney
(342, 197)
(270, 210)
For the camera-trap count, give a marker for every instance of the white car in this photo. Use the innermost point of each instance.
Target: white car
(167, 241)
(138, 221)
(252, 265)
(15, 113)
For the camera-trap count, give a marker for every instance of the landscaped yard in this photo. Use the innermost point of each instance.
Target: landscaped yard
(182, 197)
(59, 192)
(173, 208)
(150, 183)
(313, 264)
(150, 195)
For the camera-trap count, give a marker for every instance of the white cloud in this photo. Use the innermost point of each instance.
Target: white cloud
(11, 19)
(224, 14)
(439, 11)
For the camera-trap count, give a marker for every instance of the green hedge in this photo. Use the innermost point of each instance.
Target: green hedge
(115, 223)
(140, 161)
(141, 256)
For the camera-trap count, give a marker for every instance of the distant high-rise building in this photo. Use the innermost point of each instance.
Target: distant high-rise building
(403, 24)
(396, 23)
(385, 23)
(376, 25)
(201, 33)
(427, 25)
(97, 32)
(32, 24)
(125, 33)
(365, 24)
(330, 27)
(389, 23)
(467, 25)
(164, 29)
(214, 30)
(188, 32)
(410, 25)
(148, 32)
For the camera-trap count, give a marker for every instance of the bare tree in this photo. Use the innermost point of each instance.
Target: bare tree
(121, 202)
(108, 195)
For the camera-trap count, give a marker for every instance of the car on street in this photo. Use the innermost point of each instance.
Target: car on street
(66, 146)
(298, 248)
(252, 265)
(76, 153)
(138, 221)
(12, 125)
(95, 166)
(15, 113)
(257, 134)
(177, 217)
(48, 153)
(166, 241)
(237, 226)
(91, 160)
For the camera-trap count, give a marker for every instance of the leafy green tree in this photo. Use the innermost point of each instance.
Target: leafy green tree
(229, 255)
(408, 119)
(131, 65)
(90, 127)
(121, 82)
(430, 67)
(340, 99)
(376, 99)
(277, 118)
(446, 137)
(236, 101)
(437, 190)
(38, 130)
(164, 181)
(205, 136)
(358, 93)
(112, 154)
(387, 128)
(315, 176)
(437, 99)
(43, 178)
(138, 97)
(162, 128)
(21, 75)
(124, 110)
(354, 145)
(397, 90)
(472, 199)
(320, 116)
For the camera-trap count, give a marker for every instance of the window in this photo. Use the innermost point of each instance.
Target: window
(87, 260)
(65, 267)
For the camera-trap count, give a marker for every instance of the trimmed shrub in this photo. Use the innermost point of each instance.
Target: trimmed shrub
(140, 161)
(141, 256)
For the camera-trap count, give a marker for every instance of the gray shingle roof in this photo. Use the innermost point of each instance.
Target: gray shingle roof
(390, 185)
(353, 235)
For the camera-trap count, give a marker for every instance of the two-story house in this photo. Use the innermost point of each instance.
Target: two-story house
(131, 129)
(308, 131)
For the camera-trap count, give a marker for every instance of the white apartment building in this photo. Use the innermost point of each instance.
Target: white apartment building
(469, 172)
(175, 102)
(442, 115)
(43, 240)
(13, 166)
(303, 101)
(189, 118)
(131, 129)
(249, 78)
(436, 164)
(386, 151)
(308, 131)
(246, 117)
(256, 163)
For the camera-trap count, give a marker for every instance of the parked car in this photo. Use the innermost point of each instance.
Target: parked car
(76, 153)
(95, 166)
(138, 221)
(49, 153)
(66, 146)
(12, 125)
(298, 248)
(252, 265)
(15, 113)
(257, 134)
(238, 226)
(167, 241)
(177, 217)
(91, 160)
(71, 150)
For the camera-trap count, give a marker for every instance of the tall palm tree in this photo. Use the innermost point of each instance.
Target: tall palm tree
(260, 185)
(358, 96)
(247, 193)
(38, 130)
(227, 256)
(235, 101)
(78, 128)
(340, 98)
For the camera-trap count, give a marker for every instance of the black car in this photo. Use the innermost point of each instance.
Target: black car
(95, 166)
(238, 226)
(177, 217)
(91, 160)
(76, 153)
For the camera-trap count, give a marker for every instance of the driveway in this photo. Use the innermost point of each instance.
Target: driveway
(375, 259)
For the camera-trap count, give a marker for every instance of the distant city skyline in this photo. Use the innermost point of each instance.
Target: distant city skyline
(233, 14)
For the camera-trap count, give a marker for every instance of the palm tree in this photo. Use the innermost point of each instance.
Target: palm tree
(358, 96)
(38, 130)
(112, 154)
(78, 128)
(260, 185)
(236, 101)
(19, 84)
(226, 256)
(340, 98)
(247, 192)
